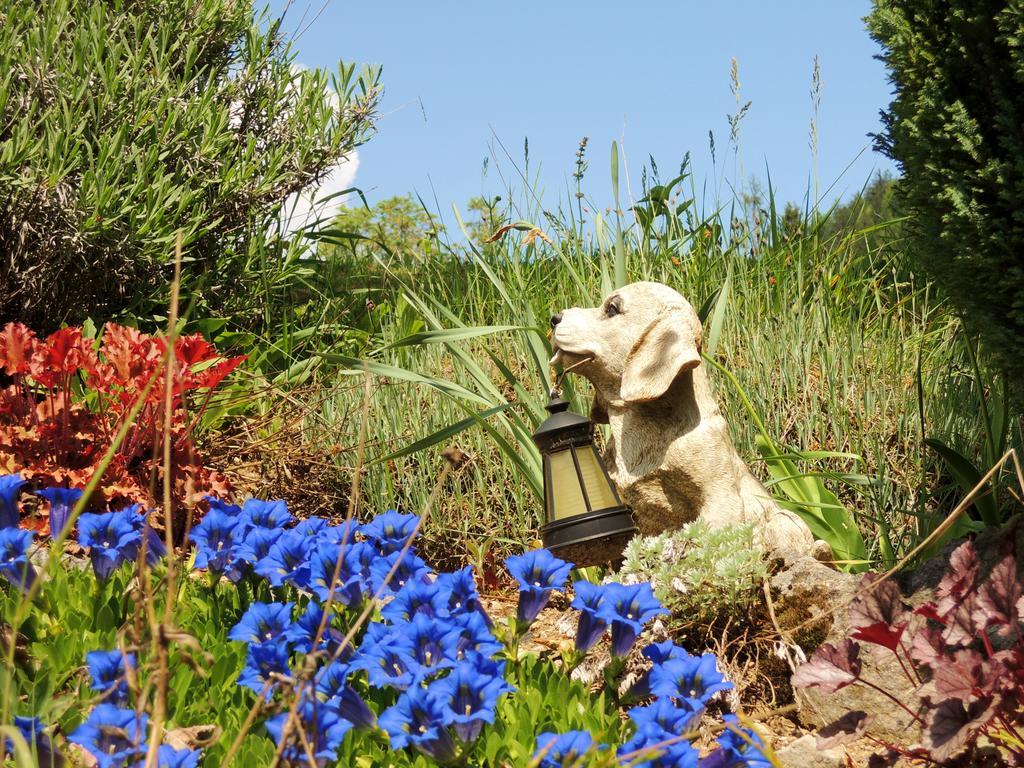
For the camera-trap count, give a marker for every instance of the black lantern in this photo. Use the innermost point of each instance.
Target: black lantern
(586, 522)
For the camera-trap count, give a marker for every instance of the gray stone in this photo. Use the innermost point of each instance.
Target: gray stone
(809, 590)
(804, 753)
(806, 589)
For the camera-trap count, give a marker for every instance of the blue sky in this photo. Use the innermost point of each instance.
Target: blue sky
(460, 76)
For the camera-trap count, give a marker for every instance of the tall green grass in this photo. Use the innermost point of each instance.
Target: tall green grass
(847, 359)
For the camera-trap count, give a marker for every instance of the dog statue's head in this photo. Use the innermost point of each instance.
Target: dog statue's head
(632, 347)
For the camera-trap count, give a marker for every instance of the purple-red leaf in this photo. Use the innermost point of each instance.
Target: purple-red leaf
(830, 668)
(929, 611)
(845, 730)
(951, 726)
(959, 676)
(998, 598)
(959, 578)
(881, 604)
(927, 646)
(880, 634)
(960, 626)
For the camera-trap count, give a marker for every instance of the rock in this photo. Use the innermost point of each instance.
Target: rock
(808, 590)
(804, 753)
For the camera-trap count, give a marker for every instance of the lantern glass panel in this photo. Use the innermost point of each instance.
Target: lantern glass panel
(599, 489)
(565, 494)
(567, 485)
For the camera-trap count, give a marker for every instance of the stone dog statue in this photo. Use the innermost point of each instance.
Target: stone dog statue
(670, 453)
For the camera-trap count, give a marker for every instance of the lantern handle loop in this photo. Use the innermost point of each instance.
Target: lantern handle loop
(556, 387)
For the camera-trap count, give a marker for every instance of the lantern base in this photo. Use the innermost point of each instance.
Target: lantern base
(596, 538)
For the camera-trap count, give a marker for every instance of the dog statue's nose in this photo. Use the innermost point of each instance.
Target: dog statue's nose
(556, 319)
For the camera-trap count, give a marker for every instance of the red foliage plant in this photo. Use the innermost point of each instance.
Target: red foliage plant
(64, 399)
(964, 652)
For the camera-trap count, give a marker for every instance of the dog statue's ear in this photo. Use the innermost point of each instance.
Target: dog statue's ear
(666, 348)
(599, 409)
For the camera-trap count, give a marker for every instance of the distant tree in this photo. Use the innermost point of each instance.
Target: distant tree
(400, 224)
(954, 126)
(874, 205)
(122, 123)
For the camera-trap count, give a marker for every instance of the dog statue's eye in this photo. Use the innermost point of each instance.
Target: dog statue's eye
(613, 308)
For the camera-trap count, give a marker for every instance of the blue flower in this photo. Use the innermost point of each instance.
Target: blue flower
(460, 587)
(469, 696)
(214, 538)
(263, 622)
(473, 635)
(169, 757)
(431, 644)
(115, 737)
(261, 660)
(557, 750)
(359, 559)
(287, 560)
(694, 679)
(418, 719)
(109, 674)
(391, 530)
(340, 534)
(410, 568)
(14, 563)
(302, 633)
(322, 726)
(113, 538)
(10, 487)
(657, 653)
(590, 601)
(224, 507)
(332, 683)
(538, 573)
(323, 560)
(664, 651)
(738, 748)
(254, 544)
(627, 609)
(311, 527)
(414, 599)
(647, 749)
(270, 515)
(34, 733)
(665, 714)
(387, 663)
(62, 501)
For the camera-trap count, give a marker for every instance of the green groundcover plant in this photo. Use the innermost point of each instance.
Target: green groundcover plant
(279, 630)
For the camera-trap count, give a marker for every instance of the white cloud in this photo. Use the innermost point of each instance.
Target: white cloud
(316, 202)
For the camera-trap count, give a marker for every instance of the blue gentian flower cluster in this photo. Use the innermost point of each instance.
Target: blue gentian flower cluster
(14, 541)
(625, 608)
(433, 646)
(431, 655)
(117, 738)
(115, 538)
(682, 686)
(34, 733)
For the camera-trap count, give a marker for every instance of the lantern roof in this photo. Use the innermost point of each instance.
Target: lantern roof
(562, 428)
